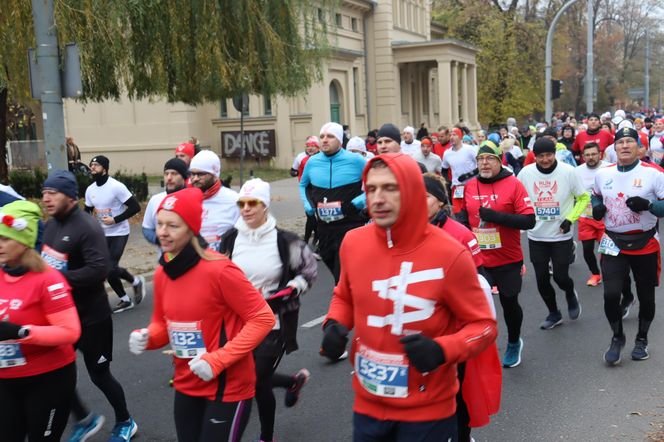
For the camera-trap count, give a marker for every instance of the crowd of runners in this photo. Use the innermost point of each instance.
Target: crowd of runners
(428, 209)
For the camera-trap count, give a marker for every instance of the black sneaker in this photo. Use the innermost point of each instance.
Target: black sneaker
(573, 307)
(139, 290)
(123, 305)
(612, 354)
(553, 320)
(640, 352)
(293, 393)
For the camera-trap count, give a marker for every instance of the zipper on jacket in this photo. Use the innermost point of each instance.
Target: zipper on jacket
(330, 173)
(390, 244)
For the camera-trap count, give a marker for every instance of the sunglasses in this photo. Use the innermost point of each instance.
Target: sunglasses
(250, 203)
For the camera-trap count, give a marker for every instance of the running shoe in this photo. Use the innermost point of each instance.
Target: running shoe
(553, 320)
(594, 280)
(626, 306)
(139, 290)
(612, 354)
(640, 352)
(123, 305)
(123, 431)
(574, 307)
(343, 356)
(293, 393)
(86, 428)
(512, 356)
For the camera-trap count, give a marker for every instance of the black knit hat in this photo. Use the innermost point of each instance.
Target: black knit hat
(544, 145)
(177, 165)
(102, 161)
(390, 131)
(626, 132)
(435, 187)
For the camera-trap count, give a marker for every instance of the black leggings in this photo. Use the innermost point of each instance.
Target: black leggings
(329, 242)
(200, 420)
(463, 418)
(96, 344)
(589, 255)
(559, 253)
(36, 406)
(309, 228)
(646, 276)
(508, 280)
(116, 246)
(268, 356)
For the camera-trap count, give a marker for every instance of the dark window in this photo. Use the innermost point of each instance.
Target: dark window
(267, 105)
(353, 24)
(337, 20)
(224, 109)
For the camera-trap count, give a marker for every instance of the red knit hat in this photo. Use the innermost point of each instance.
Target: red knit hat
(458, 132)
(188, 204)
(187, 149)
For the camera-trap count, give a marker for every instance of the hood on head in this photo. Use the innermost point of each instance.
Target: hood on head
(411, 224)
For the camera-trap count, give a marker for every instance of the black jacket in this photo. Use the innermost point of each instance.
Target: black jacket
(85, 264)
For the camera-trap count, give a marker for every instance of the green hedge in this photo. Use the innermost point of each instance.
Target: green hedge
(29, 183)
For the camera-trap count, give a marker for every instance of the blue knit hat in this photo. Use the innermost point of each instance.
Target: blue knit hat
(62, 181)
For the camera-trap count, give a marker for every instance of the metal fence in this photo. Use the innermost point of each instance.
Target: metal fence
(26, 154)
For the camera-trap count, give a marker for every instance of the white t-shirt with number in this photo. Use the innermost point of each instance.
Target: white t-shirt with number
(616, 187)
(553, 199)
(108, 200)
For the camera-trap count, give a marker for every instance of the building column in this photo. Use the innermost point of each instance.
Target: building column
(444, 93)
(465, 103)
(455, 92)
(472, 97)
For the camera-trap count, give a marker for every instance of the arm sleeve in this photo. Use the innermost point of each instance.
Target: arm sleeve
(478, 325)
(243, 299)
(582, 198)
(516, 221)
(94, 251)
(462, 216)
(341, 305)
(360, 201)
(157, 330)
(64, 328)
(132, 209)
(304, 183)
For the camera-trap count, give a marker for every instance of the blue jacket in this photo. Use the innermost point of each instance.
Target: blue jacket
(333, 179)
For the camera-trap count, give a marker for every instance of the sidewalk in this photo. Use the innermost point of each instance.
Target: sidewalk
(141, 257)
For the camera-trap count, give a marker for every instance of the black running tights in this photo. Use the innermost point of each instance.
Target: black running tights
(508, 280)
(559, 253)
(200, 420)
(116, 246)
(589, 256)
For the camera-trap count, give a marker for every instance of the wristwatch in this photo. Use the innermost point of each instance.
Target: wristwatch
(23, 332)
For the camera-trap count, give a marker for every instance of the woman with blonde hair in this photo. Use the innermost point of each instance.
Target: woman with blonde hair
(38, 327)
(213, 318)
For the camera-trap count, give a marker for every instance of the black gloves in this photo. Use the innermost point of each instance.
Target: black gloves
(599, 211)
(637, 204)
(565, 226)
(424, 353)
(293, 172)
(334, 340)
(9, 330)
(490, 215)
(348, 208)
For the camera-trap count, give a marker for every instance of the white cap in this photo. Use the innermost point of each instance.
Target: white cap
(620, 113)
(334, 129)
(356, 143)
(624, 123)
(257, 189)
(206, 161)
(606, 116)
(409, 129)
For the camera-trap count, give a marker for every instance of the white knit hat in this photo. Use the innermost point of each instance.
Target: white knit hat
(206, 161)
(335, 129)
(356, 143)
(409, 129)
(257, 189)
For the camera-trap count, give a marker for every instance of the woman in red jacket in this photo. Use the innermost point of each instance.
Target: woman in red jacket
(213, 318)
(38, 327)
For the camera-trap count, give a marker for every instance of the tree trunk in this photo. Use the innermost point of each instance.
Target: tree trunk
(4, 171)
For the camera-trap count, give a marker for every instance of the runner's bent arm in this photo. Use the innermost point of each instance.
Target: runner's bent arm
(94, 251)
(582, 198)
(64, 328)
(157, 330)
(304, 183)
(132, 209)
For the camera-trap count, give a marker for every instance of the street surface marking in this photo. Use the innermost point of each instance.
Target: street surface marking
(313, 322)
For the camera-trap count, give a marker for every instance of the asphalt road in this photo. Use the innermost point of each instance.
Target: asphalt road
(561, 391)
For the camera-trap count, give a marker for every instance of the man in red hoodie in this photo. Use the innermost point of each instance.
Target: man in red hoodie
(416, 314)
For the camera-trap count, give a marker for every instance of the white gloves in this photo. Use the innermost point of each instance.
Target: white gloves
(138, 340)
(201, 369)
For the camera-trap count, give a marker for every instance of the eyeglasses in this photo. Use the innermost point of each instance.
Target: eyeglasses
(487, 158)
(250, 203)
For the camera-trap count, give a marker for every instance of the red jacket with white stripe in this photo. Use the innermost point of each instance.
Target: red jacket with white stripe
(421, 281)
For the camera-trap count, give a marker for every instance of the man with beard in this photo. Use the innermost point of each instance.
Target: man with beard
(220, 210)
(175, 177)
(113, 204)
(75, 245)
(595, 134)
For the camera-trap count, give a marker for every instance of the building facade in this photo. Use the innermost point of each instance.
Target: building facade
(388, 63)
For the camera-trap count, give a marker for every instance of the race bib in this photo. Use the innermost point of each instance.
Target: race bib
(488, 238)
(548, 212)
(213, 242)
(54, 258)
(588, 213)
(329, 211)
(102, 213)
(607, 246)
(11, 355)
(458, 192)
(382, 374)
(186, 339)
